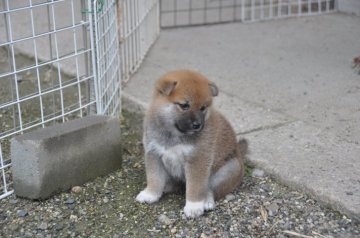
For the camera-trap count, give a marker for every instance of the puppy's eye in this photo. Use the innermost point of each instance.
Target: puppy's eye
(184, 106)
(203, 108)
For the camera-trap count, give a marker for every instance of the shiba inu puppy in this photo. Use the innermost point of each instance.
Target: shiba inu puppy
(186, 140)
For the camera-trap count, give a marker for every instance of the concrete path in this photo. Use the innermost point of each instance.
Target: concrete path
(287, 86)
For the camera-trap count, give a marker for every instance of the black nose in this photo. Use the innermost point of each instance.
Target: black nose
(196, 125)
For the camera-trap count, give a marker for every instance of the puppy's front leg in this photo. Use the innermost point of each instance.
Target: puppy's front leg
(156, 178)
(198, 195)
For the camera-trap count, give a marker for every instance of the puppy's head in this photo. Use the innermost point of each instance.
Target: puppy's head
(183, 99)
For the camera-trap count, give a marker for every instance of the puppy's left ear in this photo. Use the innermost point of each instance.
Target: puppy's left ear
(214, 89)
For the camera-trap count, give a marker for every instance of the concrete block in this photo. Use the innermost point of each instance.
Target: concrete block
(54, 159)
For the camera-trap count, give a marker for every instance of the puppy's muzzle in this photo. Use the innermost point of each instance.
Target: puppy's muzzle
(190, 123)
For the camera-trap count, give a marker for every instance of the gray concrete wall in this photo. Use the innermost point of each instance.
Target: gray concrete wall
(349, 6)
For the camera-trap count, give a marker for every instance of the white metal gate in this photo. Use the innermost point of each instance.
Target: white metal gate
(58, 61)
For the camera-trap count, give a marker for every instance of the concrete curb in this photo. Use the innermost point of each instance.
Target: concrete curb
(307, 159)
(132, 104)
(54, 159)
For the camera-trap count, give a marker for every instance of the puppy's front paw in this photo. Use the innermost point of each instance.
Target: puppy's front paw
(146, 196)
(194, 209)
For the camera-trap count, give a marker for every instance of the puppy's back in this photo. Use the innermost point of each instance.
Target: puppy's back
(226, 147)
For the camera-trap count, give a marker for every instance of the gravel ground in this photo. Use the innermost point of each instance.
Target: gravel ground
(106, 207)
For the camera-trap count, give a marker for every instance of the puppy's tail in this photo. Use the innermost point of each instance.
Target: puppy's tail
(243, 147)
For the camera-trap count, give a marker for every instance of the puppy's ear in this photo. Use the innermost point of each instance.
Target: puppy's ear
(165, 86)
(214, 89)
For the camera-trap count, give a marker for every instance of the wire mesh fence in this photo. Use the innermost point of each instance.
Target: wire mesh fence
(139, 28)
(175, 13)
(58, 61)
(106, 62)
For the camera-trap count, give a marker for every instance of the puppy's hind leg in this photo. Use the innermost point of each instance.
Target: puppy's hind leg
(227, 178)
(209, 202)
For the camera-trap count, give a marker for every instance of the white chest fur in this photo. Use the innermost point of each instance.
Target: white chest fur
(173, 157)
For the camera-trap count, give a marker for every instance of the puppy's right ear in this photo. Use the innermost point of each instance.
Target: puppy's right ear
(214, 89)
(165, 86)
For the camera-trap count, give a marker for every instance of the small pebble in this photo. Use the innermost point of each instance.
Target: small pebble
(203, 235)
(70, 201)
(173, 230)
(13, 201)
(164, 220)
(230, 197)
(22, 213)
(71, 206)
(73, 218)
(28, 234)
(266, 188)
(258, 173)
(76, 189)
(3, 216)
(43, 226)
(272, 209)
(82, 212)
(58, 226)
